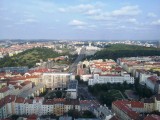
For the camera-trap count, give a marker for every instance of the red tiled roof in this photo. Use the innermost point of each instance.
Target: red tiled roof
(7, 99)
(29, 101)
(20, 100)
(25, 83)
(152, 117)
(122, 105)
(32, 117)
(23, 77)
(39, 70)
(4, 89)
(137, 104)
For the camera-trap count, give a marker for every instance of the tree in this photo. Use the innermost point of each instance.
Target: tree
(88, 114)
(74, 113)
(58, 94)
(84, 66)
(77, 77)
(14, 117)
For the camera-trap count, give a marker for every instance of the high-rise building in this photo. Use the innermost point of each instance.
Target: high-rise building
(56, 81)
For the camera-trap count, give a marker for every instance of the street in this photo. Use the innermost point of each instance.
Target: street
(73, 67)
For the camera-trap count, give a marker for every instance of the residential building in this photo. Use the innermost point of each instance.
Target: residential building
(72, 89)
(151, 82)
(4, 91)
(103, 113)
(152, 117)
(101, 79)
(157, 87)
(148, 105)
(56, 80)
(126, 110)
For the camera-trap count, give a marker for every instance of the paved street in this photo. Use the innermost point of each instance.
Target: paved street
(83, 92)
(73, 67)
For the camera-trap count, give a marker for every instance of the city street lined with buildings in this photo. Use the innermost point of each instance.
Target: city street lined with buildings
(104, 87)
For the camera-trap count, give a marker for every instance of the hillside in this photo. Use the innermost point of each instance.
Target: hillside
(121, 50)
(28, 57)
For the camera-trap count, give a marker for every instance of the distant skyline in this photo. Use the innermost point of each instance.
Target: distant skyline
(80, 19)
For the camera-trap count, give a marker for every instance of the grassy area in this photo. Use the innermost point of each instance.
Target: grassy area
(56, 94)
(115, 94)
(29, 57)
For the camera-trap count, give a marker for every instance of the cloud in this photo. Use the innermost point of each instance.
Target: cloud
(122, 13)
(103, 16)
(127, 11)
(157, 22)
(28, 20)
(132, 20)
(82, 7)
(87, 9)
(93, 12)
(61, 9)
(77, 23)
(152, 15)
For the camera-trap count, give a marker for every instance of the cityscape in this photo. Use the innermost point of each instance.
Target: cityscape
(79, 60)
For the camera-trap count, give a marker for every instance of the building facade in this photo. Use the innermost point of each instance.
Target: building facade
(56, 80)
(101, 79)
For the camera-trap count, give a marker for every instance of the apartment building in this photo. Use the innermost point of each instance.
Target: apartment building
(72, 89)
(4, 91)
(56, 80)
(122, 108)
(101, 79)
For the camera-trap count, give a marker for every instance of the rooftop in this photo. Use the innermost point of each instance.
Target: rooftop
(152, 117)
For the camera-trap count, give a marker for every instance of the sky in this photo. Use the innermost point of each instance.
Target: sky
(80, 19)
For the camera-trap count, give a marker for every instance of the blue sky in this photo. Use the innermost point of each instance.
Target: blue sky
(80, 19)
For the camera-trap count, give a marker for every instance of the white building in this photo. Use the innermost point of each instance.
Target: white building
(103, 113)
(151, 82)
(56, 80)
(101, 79)
(86, 77)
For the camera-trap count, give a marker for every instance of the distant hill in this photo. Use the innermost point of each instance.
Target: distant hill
(120, 50)
(28, 57)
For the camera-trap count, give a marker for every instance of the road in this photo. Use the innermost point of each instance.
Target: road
(73, 67)
(83, 92)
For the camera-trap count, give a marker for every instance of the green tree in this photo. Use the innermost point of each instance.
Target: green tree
(58, 94)
(88, 114)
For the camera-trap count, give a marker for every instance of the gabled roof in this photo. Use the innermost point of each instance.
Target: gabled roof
(152, 117)
(4, 89)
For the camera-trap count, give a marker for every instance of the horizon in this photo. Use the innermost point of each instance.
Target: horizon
(81, 20)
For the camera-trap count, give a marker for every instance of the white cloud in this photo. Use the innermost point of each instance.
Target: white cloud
(152, 15)
(88, 9)
(77, 23)
(122, 13)
(103, 16)
(93, 12)
(132, 20)
(83, 7)
(157, 22)
(127, 11)
(61, 9)
(30, 20)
